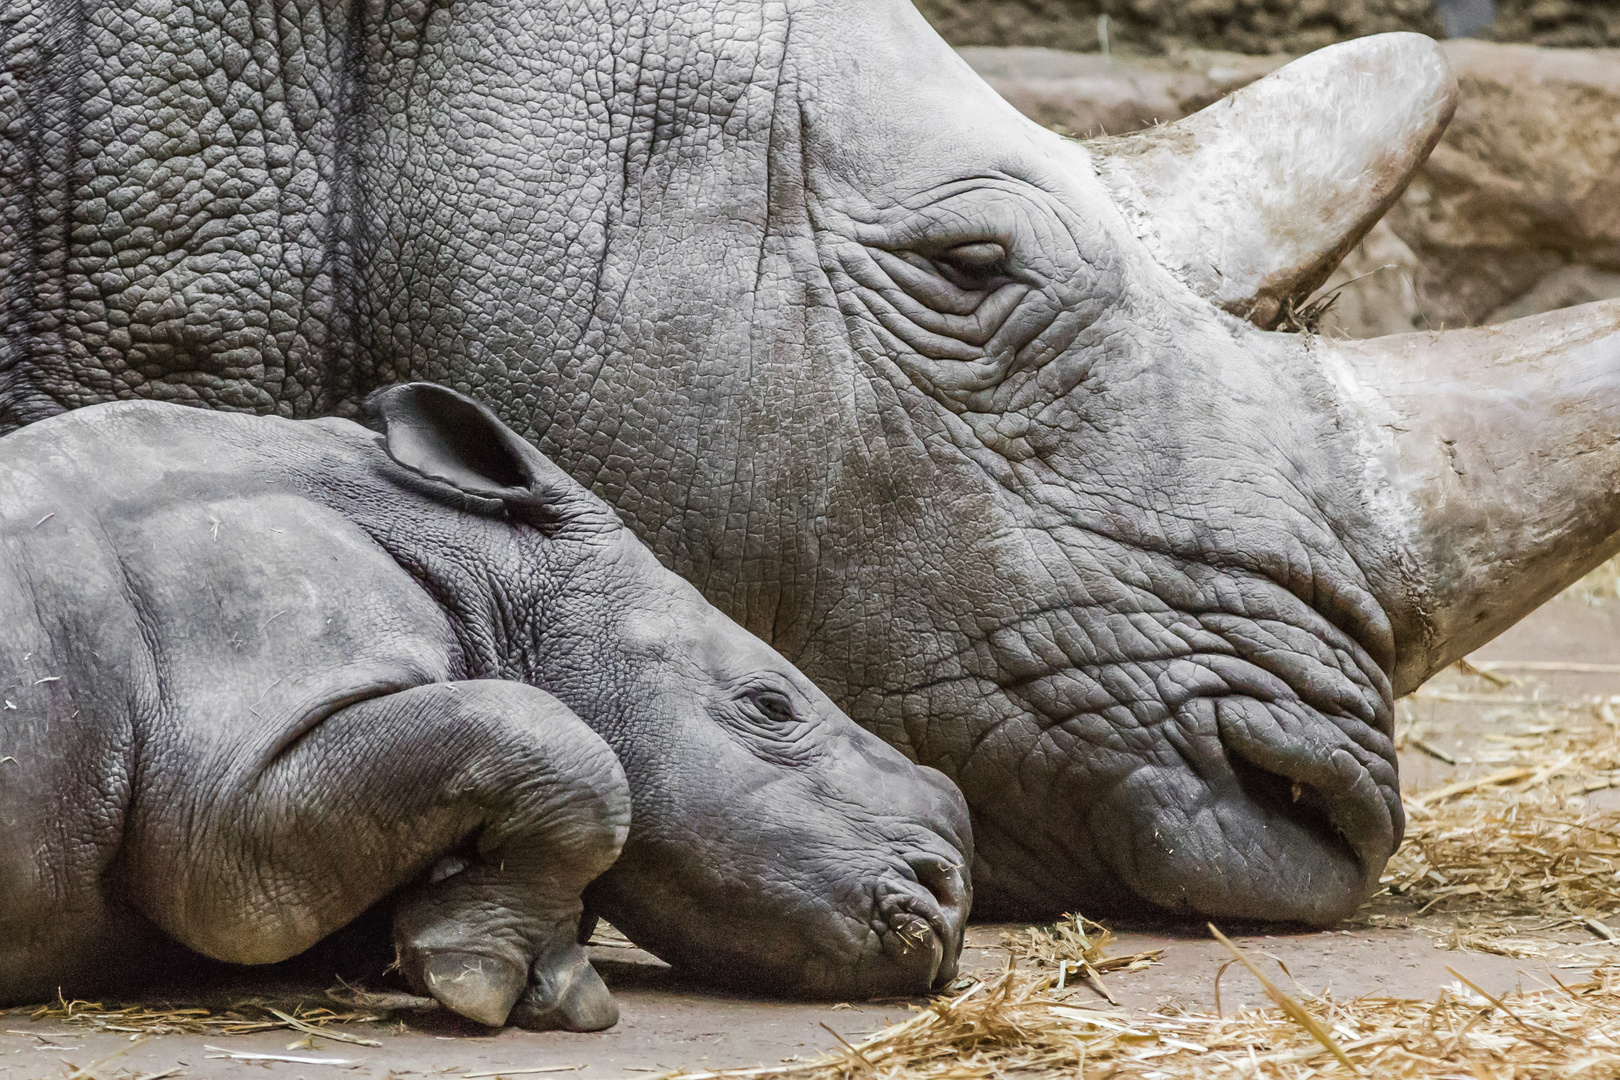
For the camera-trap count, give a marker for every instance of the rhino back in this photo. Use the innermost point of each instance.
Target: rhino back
(276, 207)
(168, 219)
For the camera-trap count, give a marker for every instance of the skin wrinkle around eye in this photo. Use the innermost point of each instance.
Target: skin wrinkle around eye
(975, 327)
(786, 744)
(918, 278)
(1283, 619)
(898, 260)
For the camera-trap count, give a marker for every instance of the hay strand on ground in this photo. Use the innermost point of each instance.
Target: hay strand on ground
(244, 1018)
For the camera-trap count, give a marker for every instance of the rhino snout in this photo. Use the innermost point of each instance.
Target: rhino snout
(1284, 812)
(921, 922)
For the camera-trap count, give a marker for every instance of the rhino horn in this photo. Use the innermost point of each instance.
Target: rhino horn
(1494, 469)
(1254, 200)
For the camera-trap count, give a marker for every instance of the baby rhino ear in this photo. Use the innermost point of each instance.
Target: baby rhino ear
(449, 437)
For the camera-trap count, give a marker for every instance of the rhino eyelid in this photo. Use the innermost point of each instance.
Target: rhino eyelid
(979, 266)
(979, 255)
(772, 705)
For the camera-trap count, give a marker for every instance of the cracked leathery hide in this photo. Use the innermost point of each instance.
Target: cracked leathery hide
(976, 425)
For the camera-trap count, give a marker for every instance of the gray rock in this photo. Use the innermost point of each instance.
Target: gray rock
(1564, 287)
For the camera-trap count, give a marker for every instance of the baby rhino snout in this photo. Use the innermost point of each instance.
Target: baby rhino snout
(921, 918)
(923, 903)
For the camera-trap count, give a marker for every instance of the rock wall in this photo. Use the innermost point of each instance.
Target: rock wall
(1516, 212)
(1157, 26)
(1518, 209)
(1581, 24)
(1264, 26)
(1086, 94)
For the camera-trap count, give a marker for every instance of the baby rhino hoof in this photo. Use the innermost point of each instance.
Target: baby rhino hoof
(481, 988)
(565, 994)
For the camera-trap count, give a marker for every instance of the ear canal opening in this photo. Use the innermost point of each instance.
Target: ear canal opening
(444, 436)
(458, 433)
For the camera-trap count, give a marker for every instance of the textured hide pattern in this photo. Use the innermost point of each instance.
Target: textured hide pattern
(965, 419)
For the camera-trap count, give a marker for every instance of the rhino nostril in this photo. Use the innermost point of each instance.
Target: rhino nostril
(946, 883)
(954, 897)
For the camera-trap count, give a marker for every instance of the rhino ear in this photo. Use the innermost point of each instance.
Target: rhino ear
(449, 437)
(1253, 201)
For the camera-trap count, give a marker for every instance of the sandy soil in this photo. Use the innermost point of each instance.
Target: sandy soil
(667, 1025)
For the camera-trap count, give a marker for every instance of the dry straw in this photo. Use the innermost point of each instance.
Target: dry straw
(1017, 1023)
(242, 1019)
(1521, 845)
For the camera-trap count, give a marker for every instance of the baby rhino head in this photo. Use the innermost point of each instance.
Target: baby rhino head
(774, 844)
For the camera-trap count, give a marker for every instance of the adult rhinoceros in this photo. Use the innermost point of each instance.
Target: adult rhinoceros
(964, 418)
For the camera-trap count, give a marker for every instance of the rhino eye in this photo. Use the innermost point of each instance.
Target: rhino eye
(773, 706)
(975, 266)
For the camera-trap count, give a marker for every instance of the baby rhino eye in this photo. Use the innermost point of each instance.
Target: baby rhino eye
(774, 706)
(768, 724)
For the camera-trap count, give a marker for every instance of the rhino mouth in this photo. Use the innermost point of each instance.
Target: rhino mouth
(1335, 781)
(921, 924)
(1292, 827)
(1281, 803)
(1280, 796)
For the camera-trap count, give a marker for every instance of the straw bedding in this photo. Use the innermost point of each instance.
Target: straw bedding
(244, 1018)
(1015, 1024)
(1527, 837)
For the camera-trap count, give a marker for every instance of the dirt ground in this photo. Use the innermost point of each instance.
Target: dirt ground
(1391, 948)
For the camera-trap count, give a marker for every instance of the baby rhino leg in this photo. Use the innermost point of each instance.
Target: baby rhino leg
(490, 800)
(496, 921)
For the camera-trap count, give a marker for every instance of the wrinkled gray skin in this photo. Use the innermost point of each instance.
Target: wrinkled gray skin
(260, 674)
(874, 363)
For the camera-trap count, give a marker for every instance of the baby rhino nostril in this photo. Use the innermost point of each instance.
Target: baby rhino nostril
(951, 891)
(948, 886)
(912, 941)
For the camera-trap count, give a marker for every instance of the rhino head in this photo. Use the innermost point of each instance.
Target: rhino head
(980, 427)
(1156, 572)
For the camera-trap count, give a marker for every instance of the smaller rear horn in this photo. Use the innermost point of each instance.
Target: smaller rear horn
(1254, 200)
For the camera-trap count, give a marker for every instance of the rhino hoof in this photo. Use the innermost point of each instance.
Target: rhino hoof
(480, 988)
(567, 995)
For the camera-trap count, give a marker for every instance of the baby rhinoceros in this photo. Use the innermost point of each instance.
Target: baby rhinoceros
(260, 675)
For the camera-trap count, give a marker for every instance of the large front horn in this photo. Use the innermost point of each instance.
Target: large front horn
(1253, 201)
(1493, 469)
